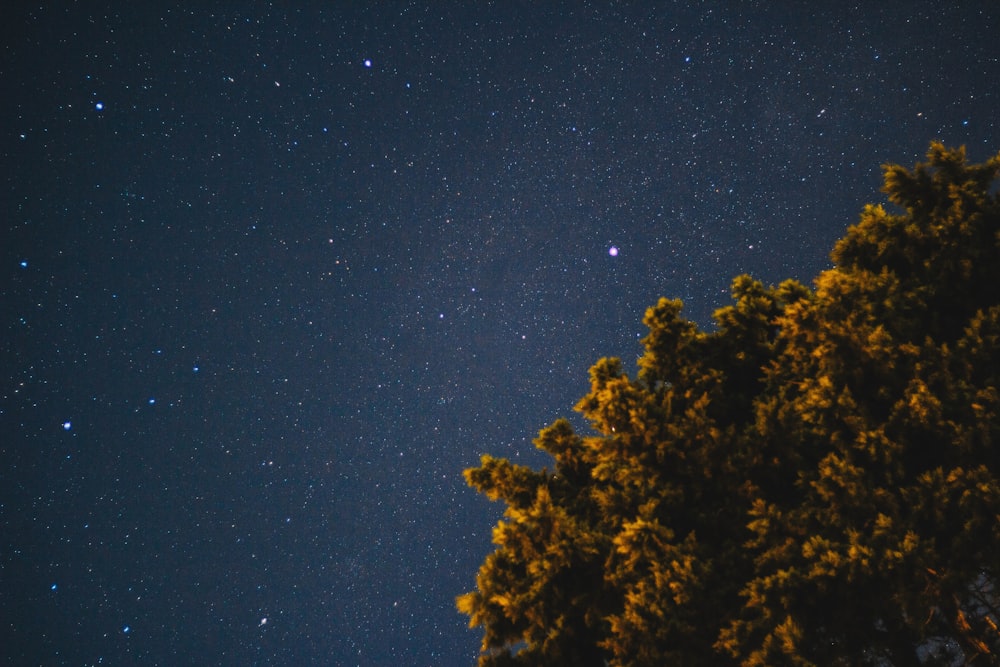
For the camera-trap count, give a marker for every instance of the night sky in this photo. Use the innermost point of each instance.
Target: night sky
(272, 277)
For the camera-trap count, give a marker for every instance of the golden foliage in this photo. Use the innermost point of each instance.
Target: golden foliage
(815, 482)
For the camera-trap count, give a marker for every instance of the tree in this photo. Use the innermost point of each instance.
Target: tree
(814, 482)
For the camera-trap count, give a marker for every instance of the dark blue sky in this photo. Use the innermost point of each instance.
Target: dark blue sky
(272, 278)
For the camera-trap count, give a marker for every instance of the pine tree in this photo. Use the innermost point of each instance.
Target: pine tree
(814, 482)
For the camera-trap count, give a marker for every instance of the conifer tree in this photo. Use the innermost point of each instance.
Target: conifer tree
(816, 481)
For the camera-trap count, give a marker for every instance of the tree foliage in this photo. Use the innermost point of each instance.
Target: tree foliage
(813, 482)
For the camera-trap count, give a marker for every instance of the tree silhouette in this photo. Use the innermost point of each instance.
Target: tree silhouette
(813, 482)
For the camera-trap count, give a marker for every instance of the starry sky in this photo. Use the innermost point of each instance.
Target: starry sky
(273, 274)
